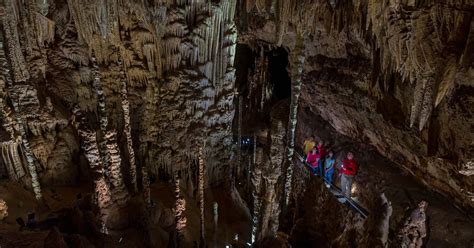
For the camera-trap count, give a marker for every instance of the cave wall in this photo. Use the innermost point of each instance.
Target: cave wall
(393, 74)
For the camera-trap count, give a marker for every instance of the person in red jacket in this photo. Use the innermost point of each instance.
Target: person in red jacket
(322, 154)
(313, 159)
(321, 149)
(349, 171)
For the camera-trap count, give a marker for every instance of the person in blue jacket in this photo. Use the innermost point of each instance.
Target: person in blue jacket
(329, 168)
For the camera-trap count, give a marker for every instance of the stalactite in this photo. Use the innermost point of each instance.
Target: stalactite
(10, 20)
(21, 125)
(417, 101)
(44, 29)
(427, 104)
(298, 60)
(5, 111)
(12, 160)
(97, 84)
(43, 6)
(202, 171)
(127, 129)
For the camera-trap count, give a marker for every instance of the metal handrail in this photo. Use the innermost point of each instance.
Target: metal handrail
(350, 203)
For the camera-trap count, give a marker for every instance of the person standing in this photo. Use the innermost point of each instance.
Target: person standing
(322, 154)
(313, 159)
(349, 171)
(308, 145)
(329, 168)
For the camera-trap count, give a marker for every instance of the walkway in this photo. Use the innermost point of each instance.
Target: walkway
(335, 190)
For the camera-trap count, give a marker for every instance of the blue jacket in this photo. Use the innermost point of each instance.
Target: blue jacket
(329, 163)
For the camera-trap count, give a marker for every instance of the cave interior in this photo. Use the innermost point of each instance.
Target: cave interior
(187, 123)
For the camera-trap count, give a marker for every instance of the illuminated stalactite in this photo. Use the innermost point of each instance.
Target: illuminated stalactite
(127, 128)
(297, 66)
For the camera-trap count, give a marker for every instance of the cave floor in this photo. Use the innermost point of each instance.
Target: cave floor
(233, 221)
(232, 226)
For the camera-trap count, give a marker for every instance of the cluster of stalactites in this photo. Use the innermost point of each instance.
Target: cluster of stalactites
(27, 30)
(161, 43)
(13, 121)
(411, 37)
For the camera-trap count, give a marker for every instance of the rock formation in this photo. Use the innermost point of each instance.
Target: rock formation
(414, 230)
(3, 209)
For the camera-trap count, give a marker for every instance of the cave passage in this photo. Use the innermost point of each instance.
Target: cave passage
(278, 70)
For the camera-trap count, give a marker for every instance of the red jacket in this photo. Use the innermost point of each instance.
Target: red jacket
(322, 151)
(349, 167)
(313, 159)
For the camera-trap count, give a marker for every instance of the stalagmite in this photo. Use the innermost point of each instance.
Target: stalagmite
(30, 160)
(102, 113)
(215, 213)
(256, 191)
(92, 154)
(118, 189)
(146, 186)
(179, 208)
(239, 138)
(202, 170)
(127, 129)
(271, 173)
(414, 230)
(297, 66)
